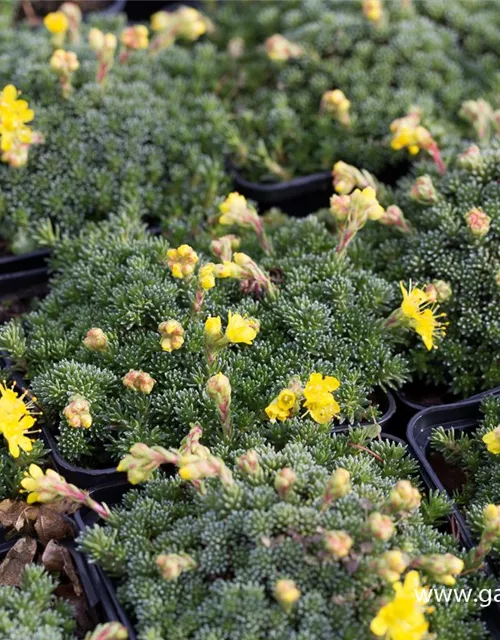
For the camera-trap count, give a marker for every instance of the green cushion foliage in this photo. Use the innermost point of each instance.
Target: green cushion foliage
(245, 538)
(443, 248)
(143, 140)
(416, 55)
(327, 318)
(32, 610)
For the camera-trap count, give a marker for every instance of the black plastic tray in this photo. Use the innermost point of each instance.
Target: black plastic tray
(113, 492)
(297, 197)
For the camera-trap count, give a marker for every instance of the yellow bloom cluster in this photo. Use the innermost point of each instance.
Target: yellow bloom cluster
(15, 135)
(239, 329)
(16, 419)
(136, 37)
(407, 132)
(235, 210)
(352, 212)
(186, 23)
(419, 313)
(182, 261)
(317, 395)
(64, 63)
(172, 335)
(403, 618)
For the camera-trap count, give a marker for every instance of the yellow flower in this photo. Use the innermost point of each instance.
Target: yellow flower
(372, 10)
(14, 115)
(365, 201)
(35, 482)
(402, 618)
(282, 407)
(233, 209)
(241, 329)
(56, 22)
(492, 440)
(320, 403)
(414, 300)
(418, 311)
(182, 261)
(15, 420)
(190, 24)
(206, 276)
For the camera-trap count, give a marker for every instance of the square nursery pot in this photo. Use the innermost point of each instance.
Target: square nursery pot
(438, 474)
(112, 493)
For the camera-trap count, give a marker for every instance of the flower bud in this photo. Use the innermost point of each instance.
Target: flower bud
(338, 485)
(391, 564)
(284, 481)
(172, 335)
(480, 114)
(206, 276)
(108, 631)
(338, 543)
(491, 519)
(394, 217)
(438, 291)
(280, 49)
(182, 261)
(139, 381)
(96, 340)
(339, 206)
(478, 222)
(77, 412)
(96, 39)
(471, 159)
(286, 593)
(442, 567)
(161, 20)
(236, 47)
(372, 10)
(136, 37)
(213, 329)
(423, 190)
(337, 105)
(172, 565)
(404, 497)
(380, 526)
(224, 246)
(248, 463)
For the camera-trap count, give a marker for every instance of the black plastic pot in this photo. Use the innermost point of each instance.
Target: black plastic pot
(23, 283)
(24, 261)
(387, 404)
(82, 477)
(438, 397)
(460, 416)
(297, 197)
(109, 494)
